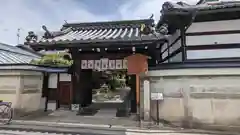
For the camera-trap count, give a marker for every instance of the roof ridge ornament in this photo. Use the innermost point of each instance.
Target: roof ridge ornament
(151, 17)
(149, 28)
(146, 29)
(31, 37)
(163, 29)
(47, 33)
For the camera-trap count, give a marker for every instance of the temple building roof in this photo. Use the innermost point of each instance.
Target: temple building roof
(98, 32)
(180, 13)
(203, 5)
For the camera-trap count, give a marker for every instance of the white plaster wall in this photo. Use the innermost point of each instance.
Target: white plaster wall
(65, 77)
(174, 36)
(213, 53)
(31, 92)
(212, 39)
(23, 88)
(197, 96)
(52, 81)
(173, 47)
(214, 26)
(9, 84)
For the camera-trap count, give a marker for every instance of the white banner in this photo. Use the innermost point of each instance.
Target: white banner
(104, 64)
(90, 64)
(112, 64)
(84, 64)
(118, 64)
(97, 65)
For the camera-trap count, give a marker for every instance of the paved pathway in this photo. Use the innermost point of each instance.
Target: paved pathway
(103, 117)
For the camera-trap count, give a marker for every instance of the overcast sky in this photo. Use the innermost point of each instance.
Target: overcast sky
(30, 15)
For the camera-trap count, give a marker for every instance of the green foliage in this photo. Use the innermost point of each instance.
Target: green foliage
(117, 80)
(53, 60)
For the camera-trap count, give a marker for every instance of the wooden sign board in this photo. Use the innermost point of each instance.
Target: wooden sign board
(137, 63)
(157, 96)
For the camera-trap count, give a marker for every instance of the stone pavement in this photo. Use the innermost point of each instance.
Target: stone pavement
(67, 119)
(102, 118)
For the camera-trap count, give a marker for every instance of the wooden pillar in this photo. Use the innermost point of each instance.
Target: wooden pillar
(58, 89)
(78, 85)
(85, 88)
(137, 89)
(46, 90)
(134, 94)
(75, 75)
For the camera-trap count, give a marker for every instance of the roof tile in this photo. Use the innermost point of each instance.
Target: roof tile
(100, 31)
(14, 55)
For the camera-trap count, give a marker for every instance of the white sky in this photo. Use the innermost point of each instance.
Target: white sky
(29, 16)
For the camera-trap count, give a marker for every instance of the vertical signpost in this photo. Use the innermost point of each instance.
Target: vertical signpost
(157, 96)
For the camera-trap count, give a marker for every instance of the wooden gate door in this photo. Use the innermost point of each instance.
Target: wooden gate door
(64, 93)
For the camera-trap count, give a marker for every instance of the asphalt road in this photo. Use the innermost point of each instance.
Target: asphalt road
(6, 132)
(48, 130)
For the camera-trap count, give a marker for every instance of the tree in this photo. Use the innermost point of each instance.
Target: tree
(57, 59)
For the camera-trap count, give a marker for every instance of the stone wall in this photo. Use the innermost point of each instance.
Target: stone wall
(22, 88)
(195, 97)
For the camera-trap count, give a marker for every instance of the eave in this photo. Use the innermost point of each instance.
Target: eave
(90, 44)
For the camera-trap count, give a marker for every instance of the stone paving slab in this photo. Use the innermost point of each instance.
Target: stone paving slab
(63, 118)
(103, 117)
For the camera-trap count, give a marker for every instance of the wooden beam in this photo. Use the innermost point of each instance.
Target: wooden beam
(137, 89)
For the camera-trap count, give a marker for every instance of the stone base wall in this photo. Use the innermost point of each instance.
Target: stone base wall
(22, 88)
(196, 97)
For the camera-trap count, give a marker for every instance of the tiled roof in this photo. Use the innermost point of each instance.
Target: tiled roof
(203, 6)
(102, 32)
(35, 68)
(221, 5)
(14, 55)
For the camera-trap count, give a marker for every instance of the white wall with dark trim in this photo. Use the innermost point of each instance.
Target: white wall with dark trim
(213, 39)
(53, 78)
(174, 43)
(228, 39)
(199, 97)
(227, 25)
